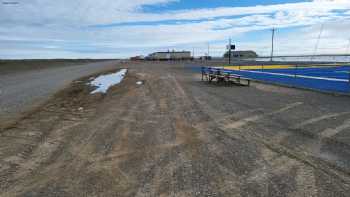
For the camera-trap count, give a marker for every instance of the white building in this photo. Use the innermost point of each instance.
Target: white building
(170, 55)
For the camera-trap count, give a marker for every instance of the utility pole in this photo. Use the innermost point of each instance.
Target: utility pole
(193, 52)
(229, 52)
(272, 43)
(208, 49)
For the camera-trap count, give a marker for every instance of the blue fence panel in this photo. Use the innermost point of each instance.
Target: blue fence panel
(333, 79)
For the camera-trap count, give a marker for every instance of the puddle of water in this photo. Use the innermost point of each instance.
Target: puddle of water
(104, 82)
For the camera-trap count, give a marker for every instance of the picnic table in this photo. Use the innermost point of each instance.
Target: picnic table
(219, 75)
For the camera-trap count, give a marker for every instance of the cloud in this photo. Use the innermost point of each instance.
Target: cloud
(72, 12)
(87, 12)
(120, 28)
(315, 8)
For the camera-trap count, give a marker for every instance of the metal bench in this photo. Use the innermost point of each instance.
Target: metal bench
(220, 76)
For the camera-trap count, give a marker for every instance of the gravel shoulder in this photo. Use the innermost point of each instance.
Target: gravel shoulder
(177, 136)
(23, 87)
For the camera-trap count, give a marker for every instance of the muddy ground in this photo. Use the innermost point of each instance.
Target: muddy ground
(26, 84)
(177, 136)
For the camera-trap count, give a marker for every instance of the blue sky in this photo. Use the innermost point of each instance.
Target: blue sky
(197, 4)
(120, 28)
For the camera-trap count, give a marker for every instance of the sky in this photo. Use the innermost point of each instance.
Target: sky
(33, 29)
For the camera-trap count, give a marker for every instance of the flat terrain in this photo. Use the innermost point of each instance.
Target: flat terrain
(26, 83)
(11, 66)
(177, 136)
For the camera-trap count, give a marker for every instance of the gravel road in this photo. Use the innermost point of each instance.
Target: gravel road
(178, 136)
(20, 90)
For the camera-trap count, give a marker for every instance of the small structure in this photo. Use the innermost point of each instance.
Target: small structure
(206, 57)
(241, 54)
(170, 55)
(140, 57)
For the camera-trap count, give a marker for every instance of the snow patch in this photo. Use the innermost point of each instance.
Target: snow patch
(104, 82)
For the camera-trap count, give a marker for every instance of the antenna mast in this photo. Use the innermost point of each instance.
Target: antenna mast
(317, 43)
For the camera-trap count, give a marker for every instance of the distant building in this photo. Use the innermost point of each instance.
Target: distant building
(140, 57)
(242, 54)
(206, 57)
(170, 55)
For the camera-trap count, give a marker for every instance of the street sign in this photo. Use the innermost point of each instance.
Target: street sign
(231, 47)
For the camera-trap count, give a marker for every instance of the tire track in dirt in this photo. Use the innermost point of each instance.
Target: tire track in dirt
(169, 136)
(303, 174)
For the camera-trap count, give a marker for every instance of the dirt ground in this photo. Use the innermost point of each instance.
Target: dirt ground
(26, 84)
(11, 66)
(177, 136)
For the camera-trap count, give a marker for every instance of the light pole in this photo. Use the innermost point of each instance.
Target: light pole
(272, 43)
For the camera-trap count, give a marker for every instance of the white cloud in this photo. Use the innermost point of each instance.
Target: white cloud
(88, 12)
(315, 8)
(63, 27)
(72, 12)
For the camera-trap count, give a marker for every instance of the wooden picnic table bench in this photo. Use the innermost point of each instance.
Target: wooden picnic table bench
(219, 75)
